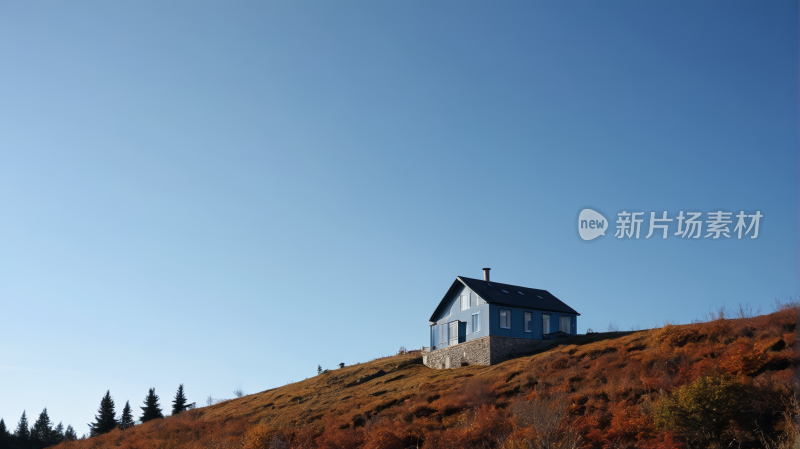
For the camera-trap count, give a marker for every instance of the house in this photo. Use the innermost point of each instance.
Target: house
(480, 322)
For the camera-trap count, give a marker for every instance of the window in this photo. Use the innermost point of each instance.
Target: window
(465, 301)
(505, 319)
(476, 322)
(564, 324)
(545, 324)
(528, 319)
(453, 333)
(443, 335)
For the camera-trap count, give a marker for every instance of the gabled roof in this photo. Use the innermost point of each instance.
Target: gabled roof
(508, 295)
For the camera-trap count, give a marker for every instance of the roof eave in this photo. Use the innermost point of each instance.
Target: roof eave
(533, 308)
(441, 303)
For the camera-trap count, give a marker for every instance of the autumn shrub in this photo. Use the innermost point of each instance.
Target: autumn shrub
(484, 427)
(258, 437)
(690, 372)
(547, 418)
(519, 439)
(476, 392)
(672, 336)
(743, 358)
(341, 439)
(449, 407)
(560, 363)
(663, 440)
(719, 330)
(629, 424)
(592, 424)
(704, 412)
(295, 438)
(384, 436)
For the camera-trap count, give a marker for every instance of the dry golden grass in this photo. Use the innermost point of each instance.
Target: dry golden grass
(609, 381)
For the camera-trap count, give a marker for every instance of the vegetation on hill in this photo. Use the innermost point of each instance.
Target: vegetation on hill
(105, 420)
(42, 434)
(714, 384)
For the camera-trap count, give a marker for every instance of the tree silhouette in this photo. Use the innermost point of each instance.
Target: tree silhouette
(69, 434)
(4, 435)
(58, 433)
(151, 409)
(179, 403)
(126, 420)
(105, 420)
(42, 434)
(23, 433)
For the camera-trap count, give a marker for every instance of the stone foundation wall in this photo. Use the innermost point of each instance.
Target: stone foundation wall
(487, 350)
(473, 352)
(506, 348)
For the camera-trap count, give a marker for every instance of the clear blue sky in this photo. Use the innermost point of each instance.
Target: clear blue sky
(224, 193)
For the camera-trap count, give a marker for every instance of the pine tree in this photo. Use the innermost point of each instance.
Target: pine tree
(151, 409)
(4, 435)
(179, 403)
(58, 433)
(105, 420)
(69, 434)
(319, 369)
(23, 433)
(42, 431)
(126, 421)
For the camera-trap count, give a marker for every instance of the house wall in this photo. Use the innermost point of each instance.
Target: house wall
(453, 312)
(487, 350)
(517, 322)
(490, 319)
(453, 305)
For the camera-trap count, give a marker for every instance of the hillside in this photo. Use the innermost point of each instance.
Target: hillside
(595, 391)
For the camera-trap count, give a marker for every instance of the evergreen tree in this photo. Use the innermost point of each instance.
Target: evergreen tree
(23, 433)
(126, 421)
(69, 434)
(42, 432)
(105, 420)
(151, 409)
(5, 437)
(179, 404)
(58, 433)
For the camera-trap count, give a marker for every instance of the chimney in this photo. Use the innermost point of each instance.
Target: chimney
(486, 274)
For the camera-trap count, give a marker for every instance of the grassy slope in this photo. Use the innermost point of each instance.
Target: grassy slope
(608, 377)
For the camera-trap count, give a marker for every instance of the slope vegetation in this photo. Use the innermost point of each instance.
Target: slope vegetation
(595, 391)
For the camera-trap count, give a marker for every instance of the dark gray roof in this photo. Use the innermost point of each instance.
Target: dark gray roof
(509, 295)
